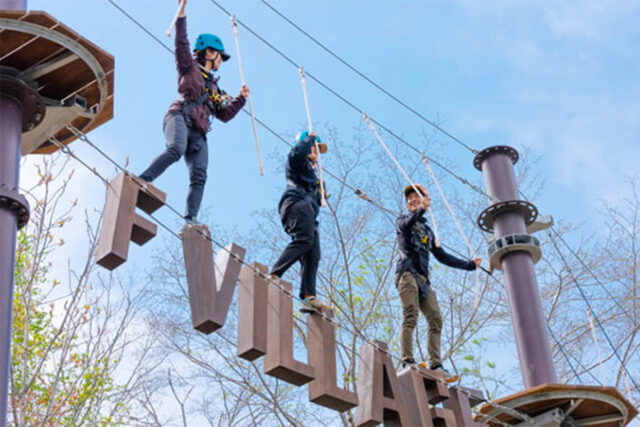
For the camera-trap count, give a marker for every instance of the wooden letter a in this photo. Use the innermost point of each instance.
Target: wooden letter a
(210, 286)
(380, 397)
(426, 388)
(121, 224)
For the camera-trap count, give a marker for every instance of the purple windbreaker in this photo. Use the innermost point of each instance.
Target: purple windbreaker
(191, 84)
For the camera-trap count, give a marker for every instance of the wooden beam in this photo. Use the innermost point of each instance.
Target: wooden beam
(321, 347)
(279, 361)
(252, 312)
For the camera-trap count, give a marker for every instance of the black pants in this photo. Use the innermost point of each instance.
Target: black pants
(299, 221)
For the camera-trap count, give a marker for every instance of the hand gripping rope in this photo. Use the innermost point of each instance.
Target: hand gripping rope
(253, 119)
(175, 18)
(367, 120)
(303, 82)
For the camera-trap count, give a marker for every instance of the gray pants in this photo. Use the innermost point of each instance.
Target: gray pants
(187, 142)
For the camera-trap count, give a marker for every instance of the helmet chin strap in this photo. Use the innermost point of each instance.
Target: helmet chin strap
(213, 60)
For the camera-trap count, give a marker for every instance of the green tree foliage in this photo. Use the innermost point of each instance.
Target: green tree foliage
(69, 334)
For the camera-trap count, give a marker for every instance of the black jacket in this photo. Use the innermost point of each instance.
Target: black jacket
(415, 240)
(302, 181)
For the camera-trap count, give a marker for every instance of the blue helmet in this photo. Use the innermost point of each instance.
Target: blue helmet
(302, 135)
(211, 40)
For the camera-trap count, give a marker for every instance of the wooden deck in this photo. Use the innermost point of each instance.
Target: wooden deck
(62, 64)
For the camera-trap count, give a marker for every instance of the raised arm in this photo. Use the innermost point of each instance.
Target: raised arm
(184, 60)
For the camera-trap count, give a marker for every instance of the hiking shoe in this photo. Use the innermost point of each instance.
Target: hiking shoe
(448, 376)
(311, 304)
(408, 362)
(191, 220)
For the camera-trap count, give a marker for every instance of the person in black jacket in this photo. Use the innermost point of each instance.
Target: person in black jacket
(415, 241)
(299, 207)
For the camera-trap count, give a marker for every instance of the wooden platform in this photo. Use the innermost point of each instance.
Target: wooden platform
(58, 63)
(587, 405)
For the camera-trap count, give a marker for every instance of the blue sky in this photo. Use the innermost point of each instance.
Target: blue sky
(558, 78)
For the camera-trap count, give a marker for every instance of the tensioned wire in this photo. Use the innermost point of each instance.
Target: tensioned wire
(368, 79)
(355, 332)
(463, 180)
(349, 103)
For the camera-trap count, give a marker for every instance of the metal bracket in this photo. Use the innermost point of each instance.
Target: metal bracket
(58, 116)
(541, 223)
(527, 210)
(511, 243)
(16, 203)
(553, 418)
(33, 106)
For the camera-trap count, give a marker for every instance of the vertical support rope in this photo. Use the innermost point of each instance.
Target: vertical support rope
(595, 342)
(234, 24)
(367, 120)
(425, 161)
(626, 385)
(472, 252)
(303, 82)
(175, 18)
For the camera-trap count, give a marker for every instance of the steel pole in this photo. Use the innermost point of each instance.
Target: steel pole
(529, 325)
(10, 138)
(10, 141)
(13, 4)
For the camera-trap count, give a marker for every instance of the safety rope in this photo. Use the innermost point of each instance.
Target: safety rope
(367, 120)
(594, 336)
(234, 24)
(181, 6)
(369, 80)
(350, 103)
(472, 252)
(303, 82)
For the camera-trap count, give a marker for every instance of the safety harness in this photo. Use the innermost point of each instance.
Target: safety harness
(212, 95)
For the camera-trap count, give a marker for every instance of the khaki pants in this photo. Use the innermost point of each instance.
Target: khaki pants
(411, 302)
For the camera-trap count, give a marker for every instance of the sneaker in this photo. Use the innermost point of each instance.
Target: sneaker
(408, 362)
(311, 304)
(448, 376)
(190, 220)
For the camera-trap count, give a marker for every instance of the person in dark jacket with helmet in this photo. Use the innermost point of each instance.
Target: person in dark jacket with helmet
(188, 120)
(416, 241)
(299, 207)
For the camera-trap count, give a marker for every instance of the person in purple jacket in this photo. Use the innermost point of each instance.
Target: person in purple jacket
(188, 120)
